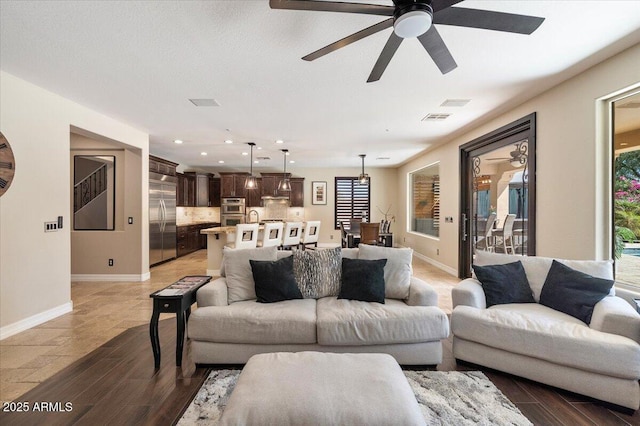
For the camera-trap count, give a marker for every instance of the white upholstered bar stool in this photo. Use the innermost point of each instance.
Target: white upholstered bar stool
(271, 234)
(311, 232)
(245, 236)
(291, 236)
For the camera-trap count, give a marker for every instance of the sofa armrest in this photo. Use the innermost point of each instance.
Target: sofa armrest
(421, 294)
(469, 293)
(213, 293)
(616, 316)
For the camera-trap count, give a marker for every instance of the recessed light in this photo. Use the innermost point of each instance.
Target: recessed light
(228, 141)
(220, 161)
(286, 153)
(256, 161)
(259, 147)
(624, 144)
(245, 153)
(291, 161)
(203, 153)
(279, 141)
(178, 141)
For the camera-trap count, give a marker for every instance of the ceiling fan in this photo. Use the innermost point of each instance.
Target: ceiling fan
(413, 19)
(517, 157)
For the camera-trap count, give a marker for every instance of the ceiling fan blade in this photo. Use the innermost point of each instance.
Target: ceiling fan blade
(488, 20)
(387, 23)
(332, 6)
(438, 51)
(438, 5)
(385, 56)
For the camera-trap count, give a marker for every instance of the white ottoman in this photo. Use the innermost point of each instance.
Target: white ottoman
(313, 388)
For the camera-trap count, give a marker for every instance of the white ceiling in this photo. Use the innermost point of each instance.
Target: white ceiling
(141, 61)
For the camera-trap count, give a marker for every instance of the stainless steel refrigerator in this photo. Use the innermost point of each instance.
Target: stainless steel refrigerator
(162, 218)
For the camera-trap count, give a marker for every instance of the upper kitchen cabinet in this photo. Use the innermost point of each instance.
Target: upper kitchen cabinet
(162, 166)
(214, 191)
(270, 183)
(196, 190)
(232, 185)
(297, 192)
(186, 191)
(254, 196)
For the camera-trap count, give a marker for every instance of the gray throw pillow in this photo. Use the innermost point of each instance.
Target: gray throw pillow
(240, 283)
(397, 271)
(318, 272)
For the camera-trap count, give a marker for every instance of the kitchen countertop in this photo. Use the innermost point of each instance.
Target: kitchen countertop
(200, 222)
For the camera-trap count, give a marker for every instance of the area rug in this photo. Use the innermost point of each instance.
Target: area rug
(445, 398)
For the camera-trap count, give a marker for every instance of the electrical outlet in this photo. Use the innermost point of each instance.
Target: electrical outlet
(331, 237)
(130, 221)
(110, 262)
(50, 226)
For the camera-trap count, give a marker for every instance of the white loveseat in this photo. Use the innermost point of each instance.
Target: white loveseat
(600, 359)
(410, 329)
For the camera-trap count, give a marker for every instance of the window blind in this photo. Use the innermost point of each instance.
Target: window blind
(352, 199)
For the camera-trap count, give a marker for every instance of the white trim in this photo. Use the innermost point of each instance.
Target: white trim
(34, 320)
(437, 264)
(110, 277)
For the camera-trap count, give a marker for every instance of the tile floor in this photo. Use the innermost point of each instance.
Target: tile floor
(105, 309)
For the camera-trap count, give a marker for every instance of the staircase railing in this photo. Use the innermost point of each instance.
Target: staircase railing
(89, 188)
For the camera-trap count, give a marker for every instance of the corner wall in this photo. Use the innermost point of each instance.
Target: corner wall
(572, 199)
(35, 269)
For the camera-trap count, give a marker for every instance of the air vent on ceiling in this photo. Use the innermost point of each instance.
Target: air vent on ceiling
(383, 158)
(263, 158)
(455, 102)
(435, 117)
(205, 102)
(631, 104)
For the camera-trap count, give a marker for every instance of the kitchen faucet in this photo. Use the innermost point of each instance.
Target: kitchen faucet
(249, 216)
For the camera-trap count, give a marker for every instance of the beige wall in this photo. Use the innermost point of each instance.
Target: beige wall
(35, 266)
(572, 170)
(90, 250)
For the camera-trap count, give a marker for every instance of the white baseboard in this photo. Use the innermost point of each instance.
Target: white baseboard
(34, 320)
(437, 264)
(110, 277)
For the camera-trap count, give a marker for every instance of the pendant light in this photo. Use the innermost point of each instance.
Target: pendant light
(363, 179)
(250, 182)
(285, 183)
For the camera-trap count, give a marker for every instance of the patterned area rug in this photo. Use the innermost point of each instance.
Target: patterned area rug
(445, 398)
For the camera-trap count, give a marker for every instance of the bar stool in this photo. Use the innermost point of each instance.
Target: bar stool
(311, 232)
(291, 235)
(245, 236)
(271, 235)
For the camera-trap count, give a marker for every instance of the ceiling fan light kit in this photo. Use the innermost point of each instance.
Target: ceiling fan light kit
(413, 20)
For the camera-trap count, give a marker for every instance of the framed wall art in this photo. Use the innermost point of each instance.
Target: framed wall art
(319, 193)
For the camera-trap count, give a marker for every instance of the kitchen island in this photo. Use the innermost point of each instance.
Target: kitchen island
(216, 239)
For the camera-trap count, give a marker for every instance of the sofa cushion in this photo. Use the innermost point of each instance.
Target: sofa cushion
(318, 272)
(538, 331)
(238, 270)
(397, 271)
(287, 322)
(504, 283)
(538, 267)
(274, 280)
(352, 322)
(362, 280)
(573, 292)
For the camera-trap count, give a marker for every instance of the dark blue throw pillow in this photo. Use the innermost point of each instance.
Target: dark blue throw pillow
(275, 280)
(504, 283)
(573, 292)
(363, 280)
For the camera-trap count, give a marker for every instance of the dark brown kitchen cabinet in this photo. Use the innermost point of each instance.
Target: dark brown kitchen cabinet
(296, 198)
(254, 196)
(202, 190)
(214, 191)
(189, 238)
(186, 190)
(162, 166)
(232, 185)
(270, 182)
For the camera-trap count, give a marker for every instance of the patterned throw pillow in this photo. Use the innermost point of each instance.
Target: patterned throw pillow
(318, 272)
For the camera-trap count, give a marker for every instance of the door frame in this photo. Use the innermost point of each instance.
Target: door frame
(523, 128)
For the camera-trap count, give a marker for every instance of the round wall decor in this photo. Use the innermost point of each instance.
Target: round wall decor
(7, 165)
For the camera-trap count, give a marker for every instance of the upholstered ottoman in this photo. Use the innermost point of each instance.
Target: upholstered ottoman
(314, 388)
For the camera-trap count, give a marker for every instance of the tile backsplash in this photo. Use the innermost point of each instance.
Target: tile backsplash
(188, 215)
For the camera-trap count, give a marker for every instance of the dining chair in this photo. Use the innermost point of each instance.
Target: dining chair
(311, 233)
(504, 236)
(487, 242)
(271, 234)
(291, 236)
(245, 236)
(343, 235)
(369, 233)
(354, 226)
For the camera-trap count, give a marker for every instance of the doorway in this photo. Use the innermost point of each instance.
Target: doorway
(497, 190)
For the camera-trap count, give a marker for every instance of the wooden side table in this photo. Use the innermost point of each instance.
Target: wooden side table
(176, 298)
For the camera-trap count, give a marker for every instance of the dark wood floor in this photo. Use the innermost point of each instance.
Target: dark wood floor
(117, 385)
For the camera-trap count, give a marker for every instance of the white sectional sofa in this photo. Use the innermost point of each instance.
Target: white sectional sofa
(409, 325)
(600, 359)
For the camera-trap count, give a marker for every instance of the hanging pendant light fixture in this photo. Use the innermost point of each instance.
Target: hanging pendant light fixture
(250, 182)
(285, 183)
(363, 179)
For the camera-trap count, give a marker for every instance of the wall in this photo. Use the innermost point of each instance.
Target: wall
(35, 267)
(90, 250)
(572, 170)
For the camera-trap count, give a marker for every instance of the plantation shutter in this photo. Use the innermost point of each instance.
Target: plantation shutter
(352, 199)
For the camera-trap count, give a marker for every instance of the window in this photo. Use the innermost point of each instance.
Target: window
(353, 199)
(425, 201)
(626, 188)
